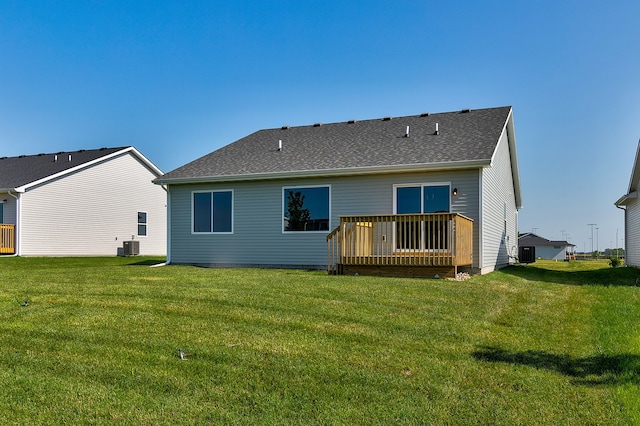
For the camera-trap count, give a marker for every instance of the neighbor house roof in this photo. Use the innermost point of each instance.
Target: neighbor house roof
(20, 173)
(459, 139)
(531, 239)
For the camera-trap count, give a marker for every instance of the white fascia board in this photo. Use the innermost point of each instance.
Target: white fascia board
(144, 159)
(513, 155)
(622, 201)
(455, 165)
(635, 172)
(131, 149)
(9, 190)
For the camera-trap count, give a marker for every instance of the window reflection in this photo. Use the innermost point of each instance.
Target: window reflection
(306, 209)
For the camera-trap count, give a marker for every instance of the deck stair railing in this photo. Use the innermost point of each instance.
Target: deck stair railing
(437, 239)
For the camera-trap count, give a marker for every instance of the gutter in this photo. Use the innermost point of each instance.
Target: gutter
(328, 172)
(622, 201)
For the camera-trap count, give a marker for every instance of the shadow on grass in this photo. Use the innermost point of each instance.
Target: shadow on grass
(148, 262)
(590, 371)
(603, 277)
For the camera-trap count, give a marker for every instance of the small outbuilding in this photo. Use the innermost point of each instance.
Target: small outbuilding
(546, 249)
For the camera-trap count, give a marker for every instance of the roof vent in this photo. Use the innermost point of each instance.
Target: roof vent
(55, 158)
(351, 121)
(285, 127)
(279, 144)
(386, 119)
(425, 114)
(69, 157)
(464, 111)
(317, 124)
(437, 132)
(406, 134)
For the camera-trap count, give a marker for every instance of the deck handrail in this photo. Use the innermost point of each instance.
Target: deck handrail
(7, 239)
(429, 239)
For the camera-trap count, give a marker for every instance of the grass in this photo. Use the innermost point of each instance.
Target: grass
(546, 343)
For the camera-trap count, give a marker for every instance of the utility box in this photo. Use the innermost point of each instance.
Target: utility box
(527, 254)
(131, 248)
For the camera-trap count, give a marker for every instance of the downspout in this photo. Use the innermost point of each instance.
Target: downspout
(18, 227)
(625, 232)
(168, 259)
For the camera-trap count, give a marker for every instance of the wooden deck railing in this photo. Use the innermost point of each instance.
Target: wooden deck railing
(7, 239)
(438, 239)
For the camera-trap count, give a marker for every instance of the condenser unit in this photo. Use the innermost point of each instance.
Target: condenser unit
(131, 248)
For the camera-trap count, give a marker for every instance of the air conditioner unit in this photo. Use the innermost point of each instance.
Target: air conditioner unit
(131, 248)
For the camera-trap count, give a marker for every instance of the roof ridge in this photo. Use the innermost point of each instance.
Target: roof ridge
(386, 118)
(117, 148)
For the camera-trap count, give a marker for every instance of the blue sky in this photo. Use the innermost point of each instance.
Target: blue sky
(179, 79)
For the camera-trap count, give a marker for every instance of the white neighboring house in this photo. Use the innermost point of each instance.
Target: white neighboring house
(81, 203)
(629, 203)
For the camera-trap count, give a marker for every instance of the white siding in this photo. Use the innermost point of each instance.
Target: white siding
(258, 239)
(499, 248)
(551, 252)
(632, 233)
(92, 211)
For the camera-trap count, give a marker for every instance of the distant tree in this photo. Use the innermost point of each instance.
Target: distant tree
(298, 215)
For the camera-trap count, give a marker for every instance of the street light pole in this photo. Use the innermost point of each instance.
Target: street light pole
(592, 225)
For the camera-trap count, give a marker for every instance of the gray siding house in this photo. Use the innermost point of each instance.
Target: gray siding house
(547, 249)
(81, 203)
(399, 187)
(631, 206)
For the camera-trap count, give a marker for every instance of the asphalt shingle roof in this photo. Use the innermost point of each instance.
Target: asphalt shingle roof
(535, 240)
(463, 136)
(25, 169)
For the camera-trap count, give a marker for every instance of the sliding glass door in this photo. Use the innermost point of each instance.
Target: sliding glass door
(412, 234)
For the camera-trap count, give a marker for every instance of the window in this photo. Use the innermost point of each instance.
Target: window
(423, 199)
(505, 221)
(417, 199)
(306, 209)
(1, 213)
(213, 212)
(142, 223)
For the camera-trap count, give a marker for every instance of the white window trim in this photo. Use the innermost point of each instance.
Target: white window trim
(284, 208)
(210, 191)
(395, 211)
(421, 185)
(146, 224)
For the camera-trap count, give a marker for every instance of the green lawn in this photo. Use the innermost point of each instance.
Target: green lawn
(547, 343)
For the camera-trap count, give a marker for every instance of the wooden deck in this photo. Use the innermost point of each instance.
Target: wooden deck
(401, 245)
(7, 239)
